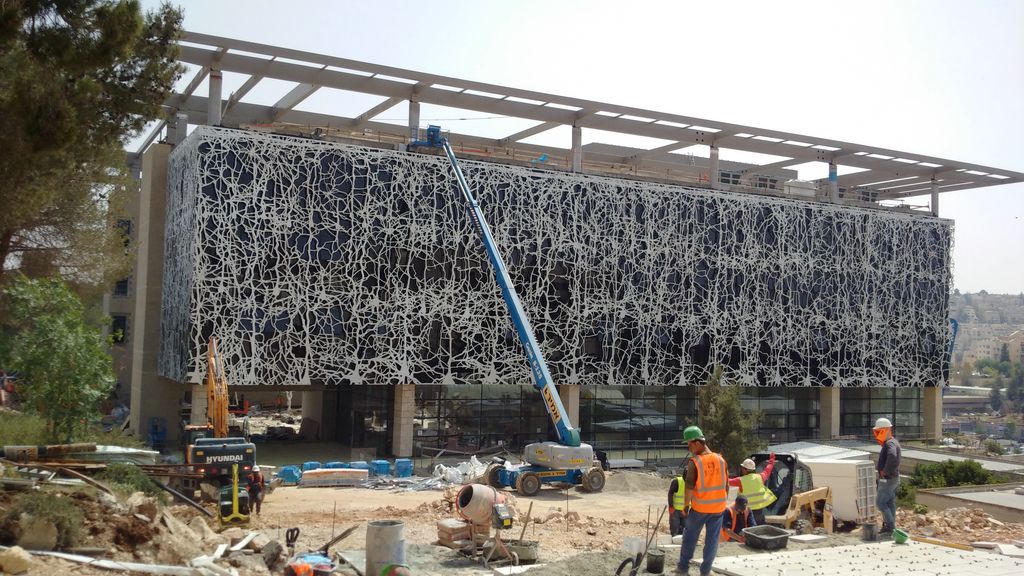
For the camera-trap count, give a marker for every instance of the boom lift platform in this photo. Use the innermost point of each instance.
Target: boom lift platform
(567, 461)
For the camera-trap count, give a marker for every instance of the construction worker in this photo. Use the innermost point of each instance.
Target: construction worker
(704, 498)
(675, 502)
(752, 486)
(888, 468)
(256, 486)
(735, 518)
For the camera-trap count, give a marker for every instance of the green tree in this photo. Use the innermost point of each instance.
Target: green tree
(996, 396)
(1010, 430)
(77, 79)
(728, 429)
(62, 361)
(1004, 353)
(1015, 386)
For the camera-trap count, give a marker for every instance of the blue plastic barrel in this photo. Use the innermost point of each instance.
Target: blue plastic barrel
(403, 467)
(311, 465)
(359, 464)
(380, 467)
(334, 465)
(290, 474)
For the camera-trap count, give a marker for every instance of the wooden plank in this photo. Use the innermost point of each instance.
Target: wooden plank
(85, 479)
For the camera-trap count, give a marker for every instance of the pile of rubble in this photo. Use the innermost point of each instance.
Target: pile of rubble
(963, 525)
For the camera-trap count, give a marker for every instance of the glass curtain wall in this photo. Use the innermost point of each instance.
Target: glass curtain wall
(860, 407)
(474, 417)
(787, 413)
(619, 415)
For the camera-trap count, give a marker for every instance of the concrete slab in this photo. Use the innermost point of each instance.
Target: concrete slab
(912, 559)
(615, 463)
(1001, 497)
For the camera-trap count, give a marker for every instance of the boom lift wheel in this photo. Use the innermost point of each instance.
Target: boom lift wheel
(491, 475)
(593, 480)
(528, 484)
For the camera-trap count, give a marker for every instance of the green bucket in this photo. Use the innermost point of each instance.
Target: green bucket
(899, 536)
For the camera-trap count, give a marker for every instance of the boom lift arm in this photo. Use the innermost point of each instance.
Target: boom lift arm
(567, 435)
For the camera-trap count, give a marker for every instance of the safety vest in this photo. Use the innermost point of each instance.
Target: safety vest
(758, 495)
(679, 499)
(712, 489)
(732, 523)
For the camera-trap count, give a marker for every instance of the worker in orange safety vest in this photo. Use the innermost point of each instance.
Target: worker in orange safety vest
(736, 517)
(704, 500)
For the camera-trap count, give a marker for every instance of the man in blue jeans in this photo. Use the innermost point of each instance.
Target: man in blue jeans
(702, 501)
(888, 468)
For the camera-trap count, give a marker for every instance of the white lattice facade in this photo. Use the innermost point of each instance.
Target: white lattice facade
(317, 262)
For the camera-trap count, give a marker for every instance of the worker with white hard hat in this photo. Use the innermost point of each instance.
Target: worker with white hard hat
(752, 486)
(888, 468)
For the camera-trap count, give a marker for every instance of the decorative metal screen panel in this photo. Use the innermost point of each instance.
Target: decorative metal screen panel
(316, 262)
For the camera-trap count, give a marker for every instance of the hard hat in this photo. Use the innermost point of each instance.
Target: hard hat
(256, 468)
(692, 433)
(882, 423)
(748, 464)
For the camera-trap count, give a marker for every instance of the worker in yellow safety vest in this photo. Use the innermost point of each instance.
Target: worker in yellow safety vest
(751, 485)
(704, 499)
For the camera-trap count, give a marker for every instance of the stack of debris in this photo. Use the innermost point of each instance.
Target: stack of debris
(964, 525)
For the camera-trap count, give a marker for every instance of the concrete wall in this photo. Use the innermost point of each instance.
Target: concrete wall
(945, 498)
(152, 397)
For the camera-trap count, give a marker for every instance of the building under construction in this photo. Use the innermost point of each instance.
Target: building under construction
(328, 256)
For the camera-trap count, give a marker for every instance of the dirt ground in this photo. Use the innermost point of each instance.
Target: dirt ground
(579, 533)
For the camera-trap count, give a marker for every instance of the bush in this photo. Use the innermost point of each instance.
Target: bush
(993, 447)
(17, 428)
(129, 478)
(55, 508)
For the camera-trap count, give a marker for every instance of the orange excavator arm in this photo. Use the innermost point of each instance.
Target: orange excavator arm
(216, 392)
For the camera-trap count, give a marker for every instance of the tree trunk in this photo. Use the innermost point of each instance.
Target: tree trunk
(5, 247)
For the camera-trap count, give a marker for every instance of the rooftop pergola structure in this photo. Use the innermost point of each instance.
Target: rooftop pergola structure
(878, 173)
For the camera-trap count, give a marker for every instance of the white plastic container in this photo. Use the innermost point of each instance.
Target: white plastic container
(385, 544)
(853, 487)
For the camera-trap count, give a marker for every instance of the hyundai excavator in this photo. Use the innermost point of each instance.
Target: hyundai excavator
(220, 459)
(568, 461)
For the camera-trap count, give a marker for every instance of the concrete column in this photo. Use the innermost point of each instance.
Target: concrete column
(213, 105)
(570, 395)
(200, 403)
(713, 169)
(833, 182)
(414, 120)
(313, 409)
(577, 149)
(180, 129)
(828, 416)
(151, 396)
(405, 411)
(931, 413)
(935, 197)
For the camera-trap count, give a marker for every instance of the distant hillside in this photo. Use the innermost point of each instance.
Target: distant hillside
(985, 308)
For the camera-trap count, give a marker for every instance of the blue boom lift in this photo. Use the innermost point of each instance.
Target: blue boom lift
(567, 461)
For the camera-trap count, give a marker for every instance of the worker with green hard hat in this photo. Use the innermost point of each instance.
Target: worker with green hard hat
(699, 498)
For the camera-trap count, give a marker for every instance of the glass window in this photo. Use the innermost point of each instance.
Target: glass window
(119, 328)
(121, 288)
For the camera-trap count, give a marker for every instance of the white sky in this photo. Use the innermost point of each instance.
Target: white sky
(932, 77)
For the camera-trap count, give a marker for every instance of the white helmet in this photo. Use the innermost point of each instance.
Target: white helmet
(748, 464)
(256, 468)
(882, 423)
